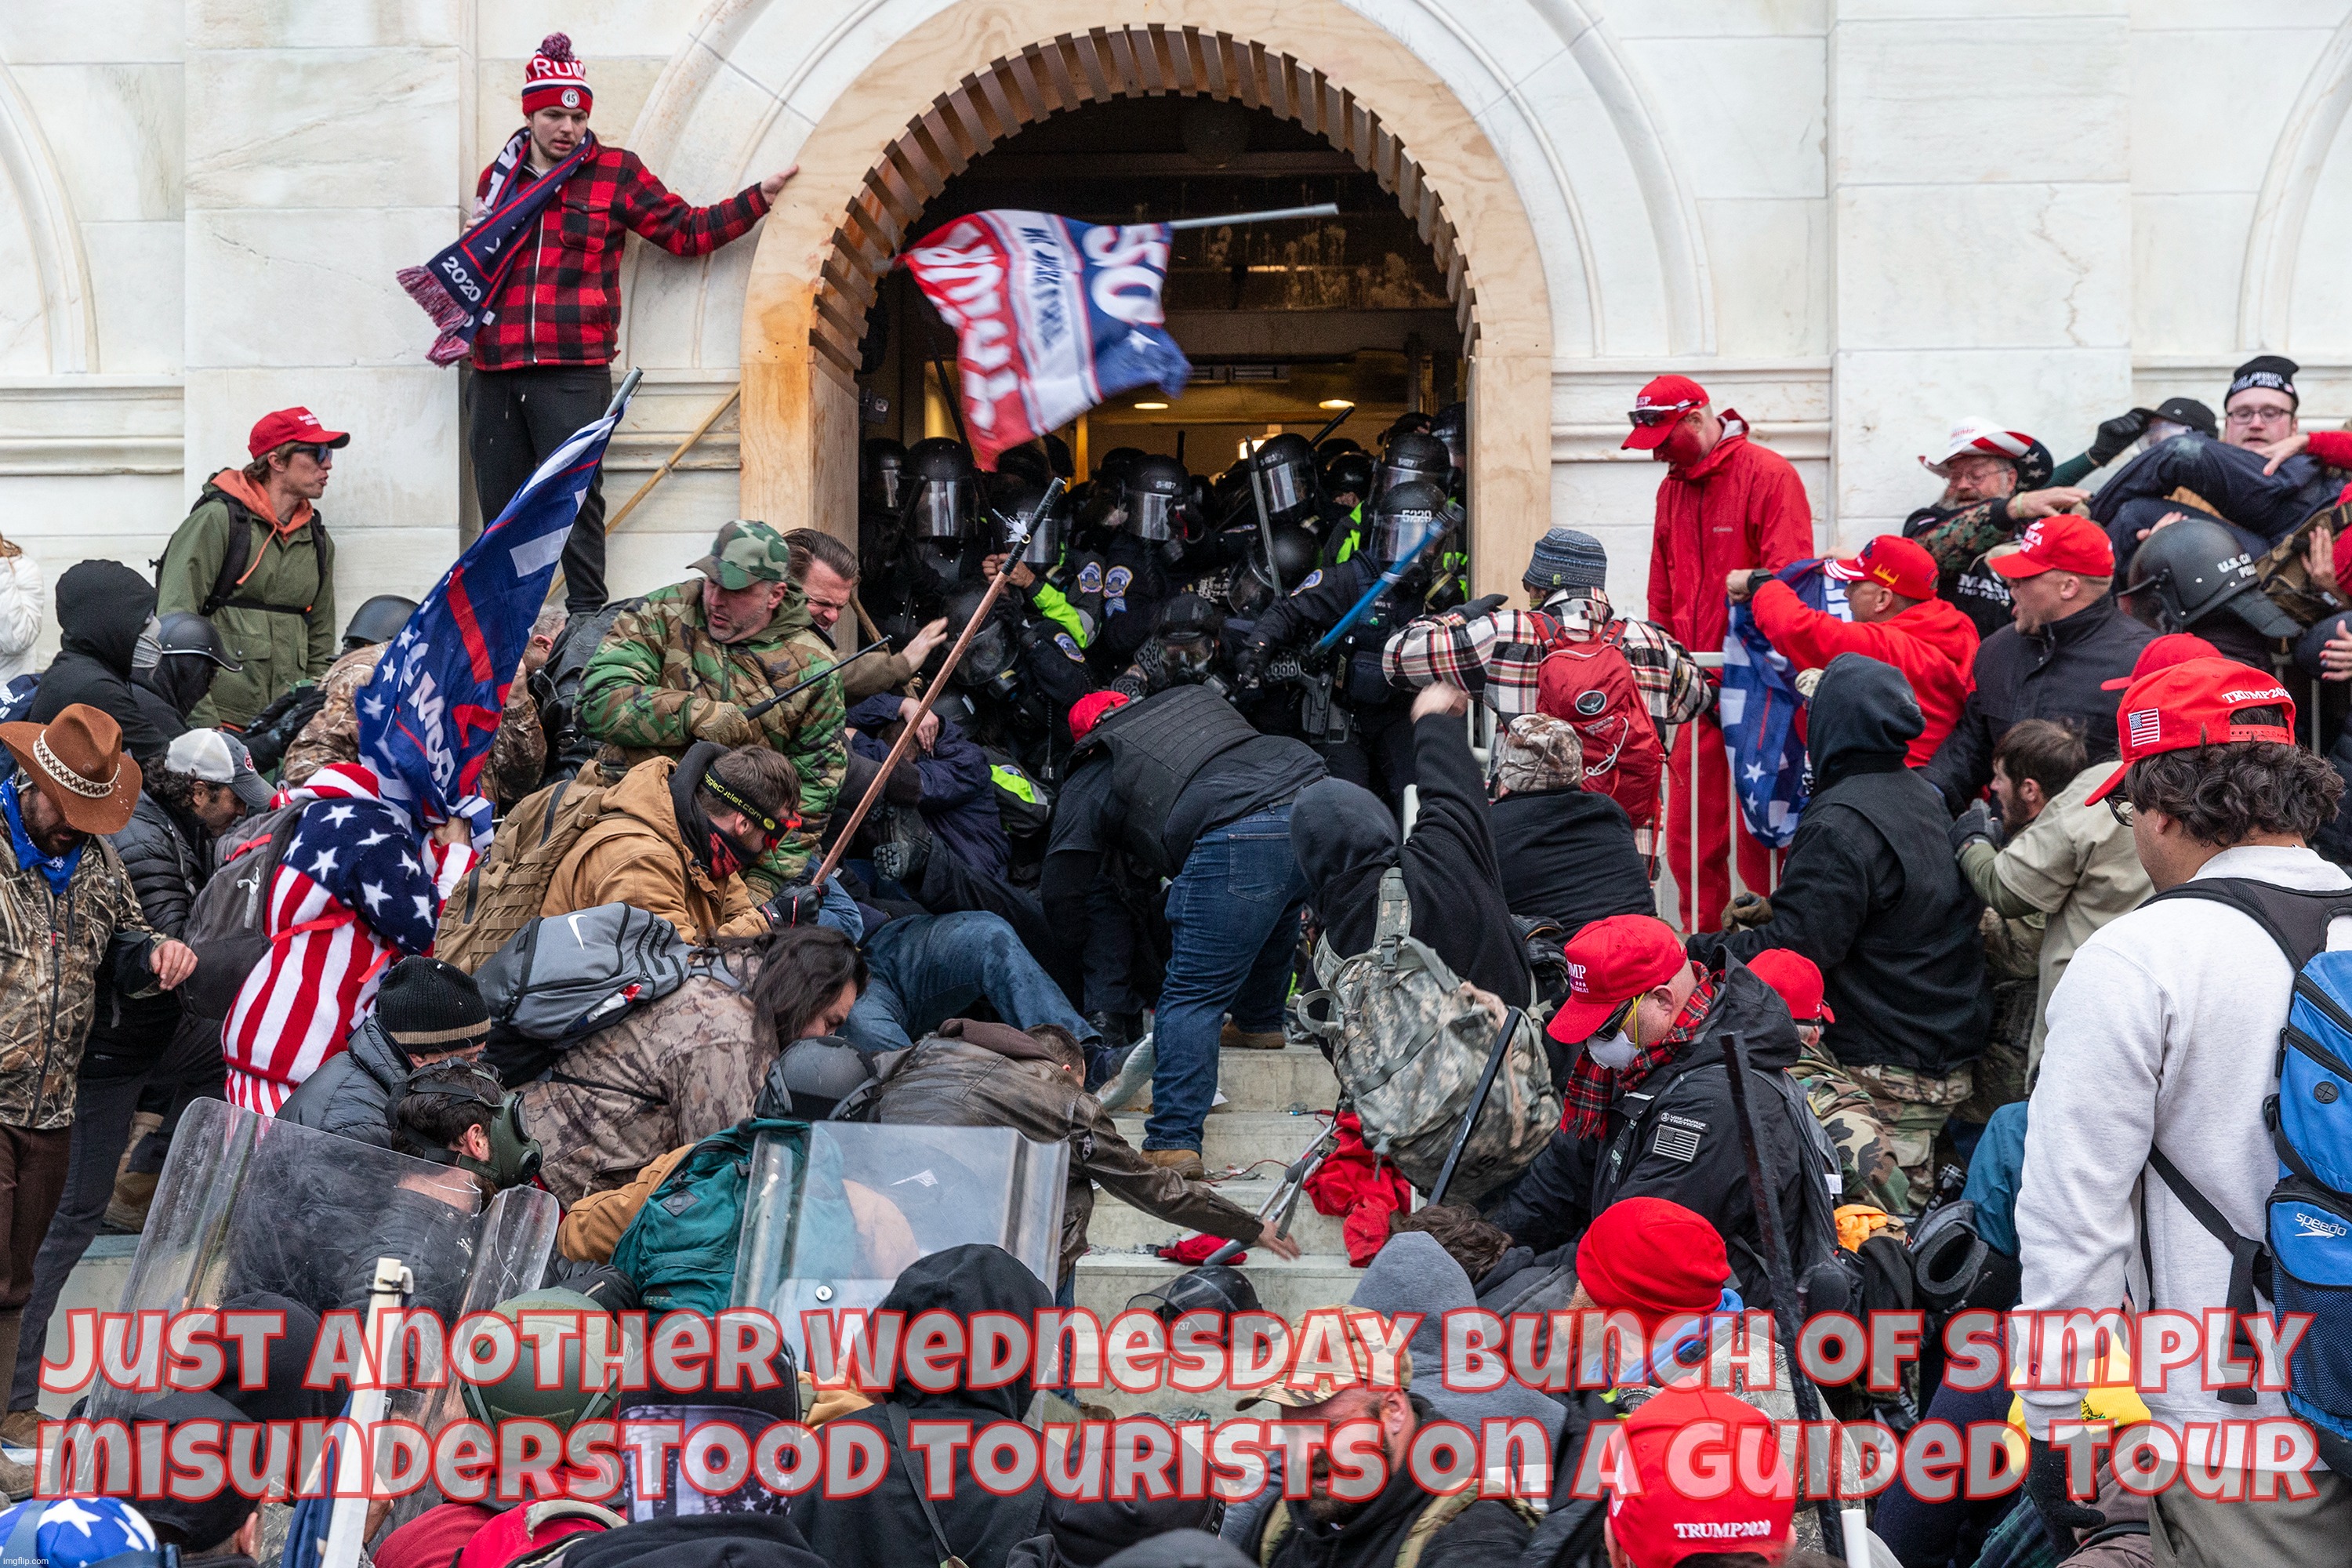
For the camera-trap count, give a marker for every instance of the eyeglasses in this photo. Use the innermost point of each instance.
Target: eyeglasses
(1616, 1022)
(1644, 418)
(2258, 415)
(2120, 809)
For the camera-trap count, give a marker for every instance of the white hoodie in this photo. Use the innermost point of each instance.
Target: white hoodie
(2164, 1030)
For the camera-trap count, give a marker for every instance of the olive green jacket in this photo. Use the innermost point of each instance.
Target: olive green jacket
(295, 569)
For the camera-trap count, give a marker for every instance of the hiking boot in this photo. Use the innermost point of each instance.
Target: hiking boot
(1185, 1162)
(126, 1211)
(901, 856)
(21, 1428)
(1110, 1030)
(1233, 1037)
(16, 1481)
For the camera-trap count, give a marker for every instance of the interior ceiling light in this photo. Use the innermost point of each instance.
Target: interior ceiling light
(1335, 403)
(1152, 406)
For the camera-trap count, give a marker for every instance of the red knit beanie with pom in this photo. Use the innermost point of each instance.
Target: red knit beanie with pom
(554, 79)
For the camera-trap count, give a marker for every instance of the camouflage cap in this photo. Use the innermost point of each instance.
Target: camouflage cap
(746, 551)
(1539, 751)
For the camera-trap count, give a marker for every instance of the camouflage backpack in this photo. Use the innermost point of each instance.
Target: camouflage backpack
(503, 892)
(1410, 1041)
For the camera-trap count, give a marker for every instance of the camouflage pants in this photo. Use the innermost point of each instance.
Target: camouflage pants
(1866, 1154)
(1913, 1107)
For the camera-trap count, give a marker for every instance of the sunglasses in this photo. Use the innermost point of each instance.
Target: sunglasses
(1647, 419)
(1615, 1024)
(320, 454)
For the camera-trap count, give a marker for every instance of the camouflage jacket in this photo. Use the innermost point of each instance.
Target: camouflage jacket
(518, 752)
(659, 663)
(53, 959)
(672, 1073)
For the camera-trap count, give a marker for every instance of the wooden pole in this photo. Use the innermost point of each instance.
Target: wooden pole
(612, 520)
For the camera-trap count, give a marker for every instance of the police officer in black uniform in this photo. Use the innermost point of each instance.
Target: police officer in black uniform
(1135, 559)
(1366, 737)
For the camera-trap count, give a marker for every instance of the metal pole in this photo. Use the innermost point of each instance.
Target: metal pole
(1271, 215)
(932, 693)
(955, 403)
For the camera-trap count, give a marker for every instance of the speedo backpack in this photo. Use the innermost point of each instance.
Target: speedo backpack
(2303, 1261)
(680, 1249)
(1410, 1041)
(1586, 682)
(503, 894)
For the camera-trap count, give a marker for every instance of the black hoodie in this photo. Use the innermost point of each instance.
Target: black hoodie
(885, 1527)
(102, 606)
(1345, 837)
(1871, 892)
(1487, 1531)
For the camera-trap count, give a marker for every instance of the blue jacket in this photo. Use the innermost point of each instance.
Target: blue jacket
(958, 800)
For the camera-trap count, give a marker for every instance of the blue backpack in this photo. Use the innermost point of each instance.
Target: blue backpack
(680, 1249)
(2304, 1262)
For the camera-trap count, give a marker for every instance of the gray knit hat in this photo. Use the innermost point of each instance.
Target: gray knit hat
(1565, 558)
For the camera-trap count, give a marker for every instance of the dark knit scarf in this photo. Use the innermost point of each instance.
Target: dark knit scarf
(455, 287)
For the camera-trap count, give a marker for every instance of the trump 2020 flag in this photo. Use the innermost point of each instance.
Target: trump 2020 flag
(1759, 711)
(428, 714)
(1051, 318)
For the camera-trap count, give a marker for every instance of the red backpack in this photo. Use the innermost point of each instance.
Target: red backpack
(1586, 681)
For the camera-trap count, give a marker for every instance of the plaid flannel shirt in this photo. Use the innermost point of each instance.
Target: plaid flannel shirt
(1494, 656)
(1594, 1089)
(560, 304)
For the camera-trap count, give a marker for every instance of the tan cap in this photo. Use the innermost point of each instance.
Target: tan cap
(1371, 1371)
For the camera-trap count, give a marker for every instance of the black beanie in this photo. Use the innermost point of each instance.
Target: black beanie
(2273, 370)
(424, 1005)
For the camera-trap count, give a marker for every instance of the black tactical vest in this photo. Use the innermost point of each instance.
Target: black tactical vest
(1157, 746)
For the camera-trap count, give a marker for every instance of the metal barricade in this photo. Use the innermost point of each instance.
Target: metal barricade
(1668, 886)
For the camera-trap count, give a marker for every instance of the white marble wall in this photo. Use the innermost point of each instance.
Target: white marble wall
(1853, 219)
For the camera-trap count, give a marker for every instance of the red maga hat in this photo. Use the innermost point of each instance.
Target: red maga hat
(2195, 704)
(2163, 653)
(2060, 542)
(1707, 1477)
(272, 431)
(1660, 408)
(1654, 1258)
(1609, 961)
(1797, 979)
(1900, 564)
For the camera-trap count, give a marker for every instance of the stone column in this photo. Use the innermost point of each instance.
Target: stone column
(326, 150)
(1979, 176)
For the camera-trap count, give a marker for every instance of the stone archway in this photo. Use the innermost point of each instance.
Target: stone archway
(1313, 61)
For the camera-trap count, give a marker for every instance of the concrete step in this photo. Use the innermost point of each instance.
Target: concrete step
(1237, 1139)
(1293, 1078)
(1118, 1227)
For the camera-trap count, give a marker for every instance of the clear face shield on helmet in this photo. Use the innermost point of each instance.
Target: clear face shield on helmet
(891, 483)
(1289, 489)
(1152, 516)
(1395, 534)
(1045, 543)
(943, 508)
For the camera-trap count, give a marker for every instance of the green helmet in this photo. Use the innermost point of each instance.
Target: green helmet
(518, 1394)
(744, 552)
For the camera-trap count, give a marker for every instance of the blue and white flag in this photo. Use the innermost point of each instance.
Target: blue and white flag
(1051, 315)
(428, 715)
(1759, 711)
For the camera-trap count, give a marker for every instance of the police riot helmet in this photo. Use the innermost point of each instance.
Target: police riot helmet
(1255, 586)
(1211, 1287)
(1403, 514)
(885, 473)
(1285, 466)
(182, 634)
(811, 1079)
(1187, 633)
(1157, 490)
(942, 495)
(2191, 570)
(1349, 474)
(1411, 456)
(1452, 428)
(1111, 472)
(1023, 467)
(519, 1395)
(378, 620)
(1046, 529)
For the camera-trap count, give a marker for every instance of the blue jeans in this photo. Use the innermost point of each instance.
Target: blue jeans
(1233, 912)
(927, 968)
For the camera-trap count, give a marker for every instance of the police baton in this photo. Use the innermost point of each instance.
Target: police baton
(937, 685)
(1777, 1271)
(802, 685)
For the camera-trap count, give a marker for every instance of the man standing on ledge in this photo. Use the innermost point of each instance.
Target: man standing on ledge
(1726, 505)
(542, 356)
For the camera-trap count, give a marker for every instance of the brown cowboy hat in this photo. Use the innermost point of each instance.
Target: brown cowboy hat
(76, 759)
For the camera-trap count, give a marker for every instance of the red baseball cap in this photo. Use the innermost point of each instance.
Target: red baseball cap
(1659, 409)
(2063, 541)
(1088, 711)
(1902, 564)
(1654, 1258)
(1609, 961)
(272, 431)
(2194, 704)
(2163, 653)
(1692, 1452)
(1798, 981)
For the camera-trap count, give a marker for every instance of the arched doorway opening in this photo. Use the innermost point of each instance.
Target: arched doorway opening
(815, 277)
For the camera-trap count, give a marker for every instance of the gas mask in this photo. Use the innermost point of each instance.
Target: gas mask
(987, 663)
(1187, 661)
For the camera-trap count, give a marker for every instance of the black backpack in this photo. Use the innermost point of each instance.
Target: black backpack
(228, 922)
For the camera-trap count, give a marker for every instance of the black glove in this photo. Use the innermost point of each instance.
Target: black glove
(793, 907)
(2045, 1486)
(1485, 606)
(1975, 825)
(1249, 667)
(2117, 434)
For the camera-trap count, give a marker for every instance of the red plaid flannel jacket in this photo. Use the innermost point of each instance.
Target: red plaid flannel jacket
(561, 302)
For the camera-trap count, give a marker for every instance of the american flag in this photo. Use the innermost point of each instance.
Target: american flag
(2143, 727)
(356, 888)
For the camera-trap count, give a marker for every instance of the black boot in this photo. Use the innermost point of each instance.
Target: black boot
(1112, 1029)
(901, 857)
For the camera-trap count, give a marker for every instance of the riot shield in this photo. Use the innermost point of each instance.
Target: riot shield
(249, 1204)
(833, 1214)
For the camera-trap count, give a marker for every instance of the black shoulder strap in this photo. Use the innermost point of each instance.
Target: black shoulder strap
(897, 1420)
(2295, 919)
(235, 553)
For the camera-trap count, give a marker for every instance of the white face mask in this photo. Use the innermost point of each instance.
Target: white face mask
(1616, 1053)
